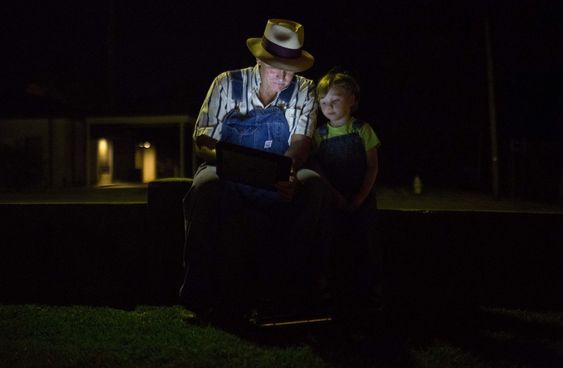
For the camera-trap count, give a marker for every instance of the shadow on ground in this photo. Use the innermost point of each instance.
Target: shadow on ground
(405, 337)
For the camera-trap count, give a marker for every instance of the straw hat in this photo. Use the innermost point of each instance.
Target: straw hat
(281, 46)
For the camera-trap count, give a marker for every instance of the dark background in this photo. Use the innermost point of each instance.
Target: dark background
(421, 66)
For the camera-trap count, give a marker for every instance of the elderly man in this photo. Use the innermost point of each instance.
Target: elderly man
(235, 232)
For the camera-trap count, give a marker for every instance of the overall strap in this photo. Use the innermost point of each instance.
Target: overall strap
(356, 125)
(236, 86)
(323, 131)
(285, 95)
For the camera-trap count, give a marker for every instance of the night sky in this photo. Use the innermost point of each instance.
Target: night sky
(421, 66)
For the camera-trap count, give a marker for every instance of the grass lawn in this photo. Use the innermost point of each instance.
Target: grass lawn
(148, 336)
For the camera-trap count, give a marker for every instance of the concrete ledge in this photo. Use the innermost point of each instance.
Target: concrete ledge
(124, 254)
(166, 244)
(73, 253)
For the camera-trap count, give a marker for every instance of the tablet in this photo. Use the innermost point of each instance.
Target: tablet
(250, 166)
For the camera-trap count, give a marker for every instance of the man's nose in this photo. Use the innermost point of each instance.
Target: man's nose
(281, 74)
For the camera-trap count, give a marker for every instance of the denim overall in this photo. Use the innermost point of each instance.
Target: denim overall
(263, 129)
(225, 225)
(343, 159)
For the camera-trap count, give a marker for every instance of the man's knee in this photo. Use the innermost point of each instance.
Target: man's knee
(313, 185)
(204, 193)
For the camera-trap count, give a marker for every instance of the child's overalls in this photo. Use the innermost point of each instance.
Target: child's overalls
(343, 159)
(344, 162)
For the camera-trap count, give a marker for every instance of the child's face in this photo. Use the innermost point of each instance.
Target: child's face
(337, 105)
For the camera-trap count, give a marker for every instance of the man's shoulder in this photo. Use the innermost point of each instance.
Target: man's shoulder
(304, 81)
(234, 73)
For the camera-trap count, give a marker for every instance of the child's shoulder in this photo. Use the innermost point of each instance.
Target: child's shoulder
(357, 124)
(365, 130)
(360, 125)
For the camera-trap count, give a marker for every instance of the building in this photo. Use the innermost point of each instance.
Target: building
(62, 151)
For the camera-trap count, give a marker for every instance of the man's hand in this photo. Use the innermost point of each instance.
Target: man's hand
(339, 201)
(287, 188)
(299, 150)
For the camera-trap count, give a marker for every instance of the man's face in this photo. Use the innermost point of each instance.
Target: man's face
(274, 79)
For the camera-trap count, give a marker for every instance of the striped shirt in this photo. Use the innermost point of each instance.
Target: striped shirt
(301, 113)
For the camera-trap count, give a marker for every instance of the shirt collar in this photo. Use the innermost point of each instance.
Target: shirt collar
(256, 79)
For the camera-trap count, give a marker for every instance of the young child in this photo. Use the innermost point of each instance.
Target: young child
(345, 153)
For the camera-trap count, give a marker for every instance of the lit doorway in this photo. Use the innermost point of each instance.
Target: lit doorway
(145, 160)
(104, 161)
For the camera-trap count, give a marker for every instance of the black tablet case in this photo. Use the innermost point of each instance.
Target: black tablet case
(250, 166)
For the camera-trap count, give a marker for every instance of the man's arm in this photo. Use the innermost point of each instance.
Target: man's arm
(301, 142)
(209, 119)
(299, 150)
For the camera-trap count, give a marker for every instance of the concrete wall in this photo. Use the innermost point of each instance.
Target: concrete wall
(128, 254)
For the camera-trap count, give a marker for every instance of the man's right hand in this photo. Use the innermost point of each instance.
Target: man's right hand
(287, 188)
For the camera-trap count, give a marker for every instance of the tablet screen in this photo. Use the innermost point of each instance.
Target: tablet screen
(251, 166)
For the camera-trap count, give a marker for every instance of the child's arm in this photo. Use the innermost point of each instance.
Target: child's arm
(340, 201)
(369, 179)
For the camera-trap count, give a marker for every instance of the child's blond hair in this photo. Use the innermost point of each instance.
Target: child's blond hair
(339, 79)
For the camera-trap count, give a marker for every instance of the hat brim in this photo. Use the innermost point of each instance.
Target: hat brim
(300, 64)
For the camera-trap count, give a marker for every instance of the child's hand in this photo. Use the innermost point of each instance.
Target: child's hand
(340, 202)
(354, 204)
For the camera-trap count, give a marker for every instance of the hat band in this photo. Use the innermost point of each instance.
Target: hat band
(280, 51)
